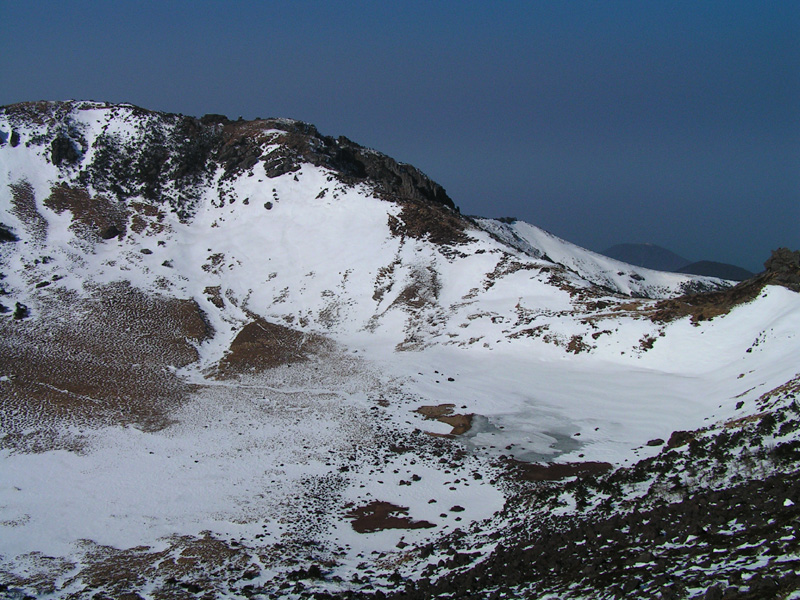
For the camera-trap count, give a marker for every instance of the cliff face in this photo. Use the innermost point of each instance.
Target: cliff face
(783, 268)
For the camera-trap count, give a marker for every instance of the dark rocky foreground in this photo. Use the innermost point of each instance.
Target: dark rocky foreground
(680, 550)
(715, 517)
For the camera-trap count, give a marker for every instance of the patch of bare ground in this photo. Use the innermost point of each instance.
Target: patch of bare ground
(558, 471)
(384, 280)
(422, 289)
(428, 220)
(576, 345)
(506, 266)
(704, 307)
(23, 206)
(379, 515)
(214, 295)
(444, 414)
(41, 112)
(261, 345)
(41, 574)
(190, 567)
(106, 358)
(573, 344)
(558, 277)
(93, 218)
(146, 218)
(768, 399)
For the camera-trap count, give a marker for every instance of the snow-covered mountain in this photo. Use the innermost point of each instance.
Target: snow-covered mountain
(602, 271)
(244, 359)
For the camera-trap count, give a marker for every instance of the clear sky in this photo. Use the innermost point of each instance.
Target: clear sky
(675, 123)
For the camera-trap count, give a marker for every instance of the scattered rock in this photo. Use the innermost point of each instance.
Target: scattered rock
(21, 311)
(556, 471)
(679, 438)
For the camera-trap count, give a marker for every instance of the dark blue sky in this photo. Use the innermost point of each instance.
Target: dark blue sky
(676, 123)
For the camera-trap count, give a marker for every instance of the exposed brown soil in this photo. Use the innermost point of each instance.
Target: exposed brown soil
(40, 112)
(261, 345)
(214, 295)
(704, 307)
(444, 414)
(184, 570)
(379, 515)
(106, 358)
(557, 471)
(96, 217)
(146, 218)
(23, 206)
(506, 266)
(426, 220)
(384, 280)
(576, 345)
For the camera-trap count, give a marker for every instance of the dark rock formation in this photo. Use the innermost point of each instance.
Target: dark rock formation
(110, 232)
(6, 234)
(783, 268)
(20, 311)
(64, 149)
(398, 181)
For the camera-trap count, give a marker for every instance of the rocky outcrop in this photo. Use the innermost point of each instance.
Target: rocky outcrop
(353, 163)
(63, 149)
(783, 268)
(7, 234)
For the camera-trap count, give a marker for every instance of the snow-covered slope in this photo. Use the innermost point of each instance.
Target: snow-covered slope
(245, 347)
(600, 270)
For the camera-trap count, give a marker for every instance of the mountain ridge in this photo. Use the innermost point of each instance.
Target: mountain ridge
(712, 268)
(656, 257)
(647, 255)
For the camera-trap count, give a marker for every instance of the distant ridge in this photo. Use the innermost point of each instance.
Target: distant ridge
(709, 268)
(649, 256)
(655, 257)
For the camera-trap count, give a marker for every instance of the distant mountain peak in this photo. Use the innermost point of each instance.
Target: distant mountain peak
(647, 255)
